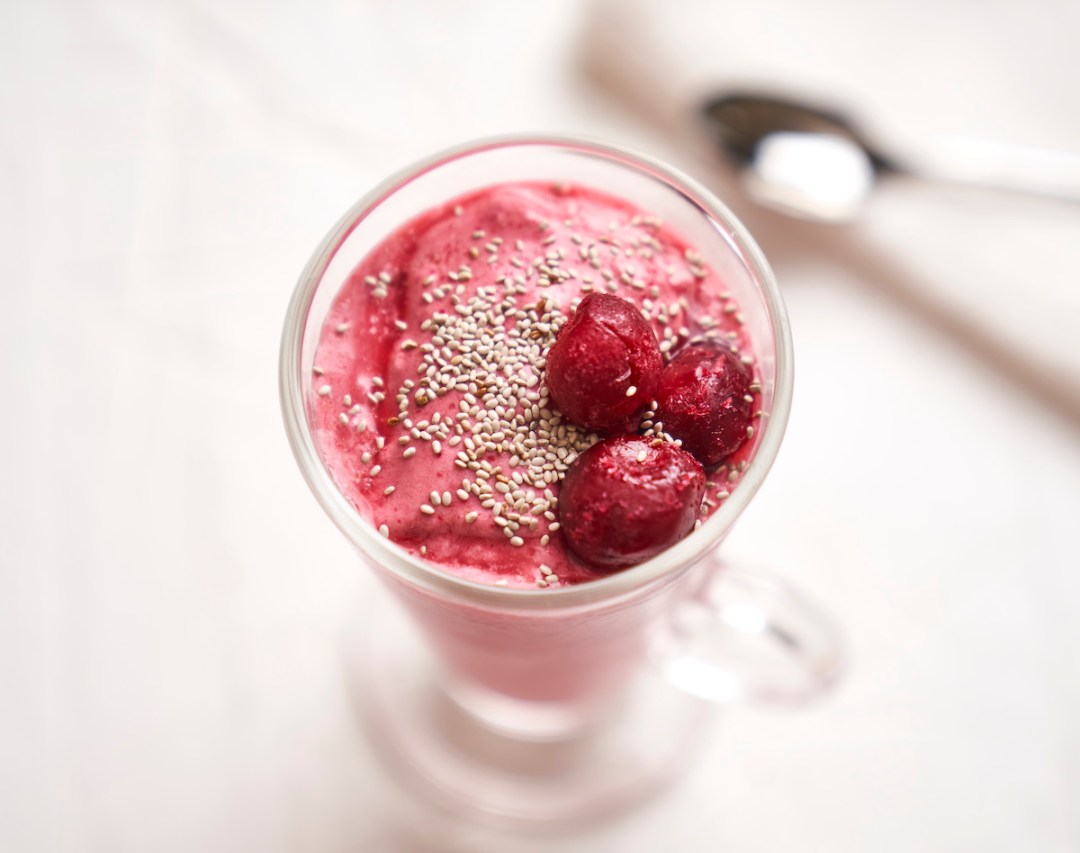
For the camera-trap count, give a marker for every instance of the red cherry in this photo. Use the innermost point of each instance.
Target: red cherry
(604, 364)
(703, 401)
(624, 500)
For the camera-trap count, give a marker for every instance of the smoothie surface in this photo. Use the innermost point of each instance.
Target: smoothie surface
(429, 406)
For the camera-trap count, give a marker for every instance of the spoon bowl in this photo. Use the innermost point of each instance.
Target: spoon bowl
(815, 163)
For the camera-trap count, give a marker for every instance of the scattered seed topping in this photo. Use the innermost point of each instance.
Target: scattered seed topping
(481, 337)
(491, 349)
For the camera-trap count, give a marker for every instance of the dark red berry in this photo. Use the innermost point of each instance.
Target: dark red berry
(624, 500)
(604, 364)
(704, 401)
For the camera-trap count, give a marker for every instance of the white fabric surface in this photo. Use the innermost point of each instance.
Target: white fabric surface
(173, 604)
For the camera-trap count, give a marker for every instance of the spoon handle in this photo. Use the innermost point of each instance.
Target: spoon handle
(996, 165)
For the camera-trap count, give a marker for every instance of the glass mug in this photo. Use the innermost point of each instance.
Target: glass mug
(581, 665)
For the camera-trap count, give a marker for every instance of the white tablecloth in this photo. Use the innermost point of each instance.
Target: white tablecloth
(172, 601)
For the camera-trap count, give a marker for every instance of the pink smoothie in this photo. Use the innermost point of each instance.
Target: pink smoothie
(430, 408)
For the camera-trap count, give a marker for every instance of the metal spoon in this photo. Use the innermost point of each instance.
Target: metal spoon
(815, 163)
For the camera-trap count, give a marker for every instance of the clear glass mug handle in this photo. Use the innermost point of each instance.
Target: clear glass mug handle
(747, 637)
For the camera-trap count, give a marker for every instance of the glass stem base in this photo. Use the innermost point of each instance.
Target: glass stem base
(430, 740)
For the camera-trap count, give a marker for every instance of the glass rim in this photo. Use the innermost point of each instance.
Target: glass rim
(431, 577)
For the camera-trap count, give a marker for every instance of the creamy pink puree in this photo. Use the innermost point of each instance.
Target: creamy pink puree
(527, 251)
